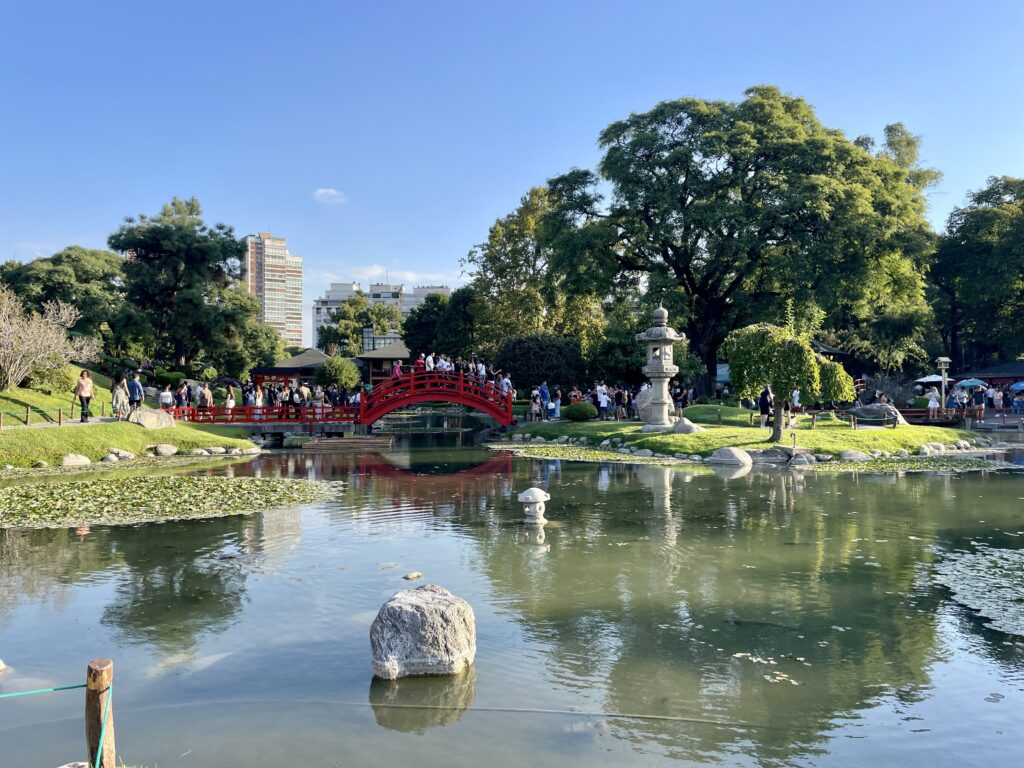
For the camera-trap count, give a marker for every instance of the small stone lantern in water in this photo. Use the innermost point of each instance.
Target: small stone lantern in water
(533, 505)
(659, 339)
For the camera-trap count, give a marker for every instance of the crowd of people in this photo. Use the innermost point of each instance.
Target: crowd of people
(268, 400)
(976, 400)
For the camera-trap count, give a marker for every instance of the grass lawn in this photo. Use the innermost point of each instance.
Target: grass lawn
(828, 436)
(43, 407)
(21, 447)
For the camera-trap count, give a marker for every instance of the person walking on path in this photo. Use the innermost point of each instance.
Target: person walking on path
(545, 396)
(119, 397)
(135, 393)
(84, 392)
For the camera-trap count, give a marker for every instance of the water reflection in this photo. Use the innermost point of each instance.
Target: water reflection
(777, 605)
(415, 704)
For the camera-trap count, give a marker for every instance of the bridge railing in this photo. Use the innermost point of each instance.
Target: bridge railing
(275, 414)
(435, 382)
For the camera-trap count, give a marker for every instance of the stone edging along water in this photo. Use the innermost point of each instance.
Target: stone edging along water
(966, 461)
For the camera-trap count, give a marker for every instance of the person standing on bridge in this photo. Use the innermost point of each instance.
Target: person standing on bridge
(428, 363)
(396, 369)
(420, 365)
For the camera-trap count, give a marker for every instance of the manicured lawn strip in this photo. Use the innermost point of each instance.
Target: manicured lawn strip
(21, 447)
(148, 499)
(827, 437)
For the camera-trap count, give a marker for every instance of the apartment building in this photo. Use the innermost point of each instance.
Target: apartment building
(388, 294)
(274, 276)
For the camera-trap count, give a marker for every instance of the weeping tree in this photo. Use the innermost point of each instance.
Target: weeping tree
(767, 355)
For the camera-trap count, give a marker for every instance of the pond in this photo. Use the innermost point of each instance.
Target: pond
(764, 620)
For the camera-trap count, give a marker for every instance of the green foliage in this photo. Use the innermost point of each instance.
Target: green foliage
(338, 370)
(423, 325)
(764, 354)
(91, 280)
(180, 278)
(519, 295)
(457, 334)
(579, 412)
(978, 276)
(161, 378)
(209, 373)
(354, 313)
(836, 383)
(529, 360)
(740, 205)
(52, 380)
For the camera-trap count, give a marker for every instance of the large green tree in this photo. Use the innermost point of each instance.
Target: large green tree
(91, 280)
(977, 277)
(738, 206)
(520, 295)
(179, 277)
(424, 323)
(457, 333)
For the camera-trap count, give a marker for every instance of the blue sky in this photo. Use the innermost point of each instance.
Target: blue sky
(430, 120)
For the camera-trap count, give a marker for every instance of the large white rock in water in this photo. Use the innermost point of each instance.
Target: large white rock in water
(423, 631)
(736, 456)
(148, 418)
(75, 460)
(686, 427)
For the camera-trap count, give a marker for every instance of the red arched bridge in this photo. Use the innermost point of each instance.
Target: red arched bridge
(390, 395)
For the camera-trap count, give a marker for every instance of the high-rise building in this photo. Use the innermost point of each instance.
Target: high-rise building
(274, 276)
(389, 294)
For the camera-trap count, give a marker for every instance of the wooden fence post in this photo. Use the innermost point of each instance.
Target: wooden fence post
(103, 409)
(60, 417)
(719, 417)
(99, 677)
(1, 419)
(814, 418)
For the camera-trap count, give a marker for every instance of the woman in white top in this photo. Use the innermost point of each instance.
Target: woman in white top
(167, 398)
(933, 404)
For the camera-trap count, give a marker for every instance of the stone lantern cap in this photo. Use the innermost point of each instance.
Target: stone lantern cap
(660, 331)
(533, 496)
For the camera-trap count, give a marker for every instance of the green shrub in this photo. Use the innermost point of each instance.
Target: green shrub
(338, 370)
(920, 402)
(579, 412)
(161, 378)
(56, 380)
(703, 400)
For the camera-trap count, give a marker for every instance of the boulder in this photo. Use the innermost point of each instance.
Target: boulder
(216, 450)
(903, 454)
(110, 458)
(75, 460)
(695, 457)
(802, 460)
(164, 449)
(538, 440)
(423, 631)
(121, 454)
(562, 439)
(583, 441)
(5, 467)
(924, 450)
(644, 452)
(39, 464)
(199, 452)
(254, 451)
(769, 456)
(149, 418)
(623, 450)
(854, 456)
(878, 414)
(234, 451)
(605, 444)
(823, 457)
(686, 427)
(642, 401)
(517, 438)
(733, 456)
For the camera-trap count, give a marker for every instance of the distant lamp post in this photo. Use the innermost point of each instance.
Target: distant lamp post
(943, 363)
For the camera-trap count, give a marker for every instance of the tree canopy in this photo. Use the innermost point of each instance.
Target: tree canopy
(345, 334)
(421, 328)
(338, 370)
(179, 274)
(738, 206)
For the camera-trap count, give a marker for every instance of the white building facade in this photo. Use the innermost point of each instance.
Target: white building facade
(387, 294)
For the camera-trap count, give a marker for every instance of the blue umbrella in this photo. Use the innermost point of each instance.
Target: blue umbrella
(1018, 386)
(971, 383)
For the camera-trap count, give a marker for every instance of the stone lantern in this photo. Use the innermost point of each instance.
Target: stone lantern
(659, 339)
(533, 500)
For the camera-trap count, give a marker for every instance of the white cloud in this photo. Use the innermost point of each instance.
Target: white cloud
(329, 196)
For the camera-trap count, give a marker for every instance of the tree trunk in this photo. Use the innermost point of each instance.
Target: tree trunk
(776, 426)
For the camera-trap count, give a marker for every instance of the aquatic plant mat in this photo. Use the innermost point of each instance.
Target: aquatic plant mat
(989, 581)
(149, 499)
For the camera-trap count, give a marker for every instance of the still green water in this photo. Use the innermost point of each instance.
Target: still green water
(762, 620)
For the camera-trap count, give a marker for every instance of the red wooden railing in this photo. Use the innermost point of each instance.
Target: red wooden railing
(389, 395)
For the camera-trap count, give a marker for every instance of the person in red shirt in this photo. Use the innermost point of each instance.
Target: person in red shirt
(420, 365)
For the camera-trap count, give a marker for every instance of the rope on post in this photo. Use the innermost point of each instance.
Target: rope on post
(41, 690)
